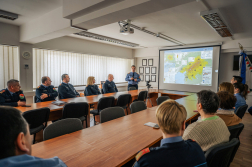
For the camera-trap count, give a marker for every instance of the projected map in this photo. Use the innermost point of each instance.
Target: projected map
(188, 66)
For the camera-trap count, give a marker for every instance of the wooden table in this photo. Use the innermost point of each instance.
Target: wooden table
(56, 111)
(112, 143)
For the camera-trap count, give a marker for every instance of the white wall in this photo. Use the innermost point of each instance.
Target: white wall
(77, 45)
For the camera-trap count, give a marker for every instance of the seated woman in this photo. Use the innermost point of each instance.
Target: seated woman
(226, 86)
(91, 89)
(211, 129)
(226, 109)
(240, 92)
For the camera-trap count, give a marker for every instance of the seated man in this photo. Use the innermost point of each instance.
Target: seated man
(16, 146)
(174, 151)
(236, 79)
(46, 91)
(66, 90)
(13, 95)
(109, 86)
(211, 129)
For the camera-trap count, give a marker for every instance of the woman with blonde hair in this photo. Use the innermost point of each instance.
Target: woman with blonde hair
(226, 86)
(91, 88)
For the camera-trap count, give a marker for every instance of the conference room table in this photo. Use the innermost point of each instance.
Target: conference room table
(56, 111)
(113, 143)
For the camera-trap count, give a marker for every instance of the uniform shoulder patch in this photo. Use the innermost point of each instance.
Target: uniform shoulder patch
(141, 153)
(38, 86)
(128, 73)
(192, 140)
(2, 91)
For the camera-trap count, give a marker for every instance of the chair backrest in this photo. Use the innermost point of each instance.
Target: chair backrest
(142, 95)
(161, 99)
(137, 106)
(123, 100)
(75, 110)
(222, 154)
(235, 130)
(132, 88)
(62, 127)
(35, 99)
(105, 102)
(241, 111)
(102, 91)
(111, 113)
(37, 117)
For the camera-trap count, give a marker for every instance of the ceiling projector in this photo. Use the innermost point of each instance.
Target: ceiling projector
(125, 29)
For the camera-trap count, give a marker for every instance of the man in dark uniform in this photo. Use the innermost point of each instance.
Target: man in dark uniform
(174, 151)
(46, 91)
(13, 95)
(133, 78)
(66, 90)
(109, 86)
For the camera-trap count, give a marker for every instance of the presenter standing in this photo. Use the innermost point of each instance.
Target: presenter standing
(133, 78)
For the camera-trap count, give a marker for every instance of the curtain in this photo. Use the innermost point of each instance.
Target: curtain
(78, 66)
(9, 64)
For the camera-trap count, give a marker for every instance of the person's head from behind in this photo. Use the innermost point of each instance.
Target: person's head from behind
(226, 86)
(242, 89)
(227, 100)
(15, 135)
(236, 79)
(65, 78)
(208, 102)
(90, 80)
(171, 118)
(13, 85)
(133, 68)
(110, 77)
(46, 81)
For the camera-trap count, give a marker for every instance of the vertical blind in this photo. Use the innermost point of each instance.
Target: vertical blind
(78, 66)
(9, 64)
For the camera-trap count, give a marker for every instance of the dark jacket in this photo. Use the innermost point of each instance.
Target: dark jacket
(92, 90)
(183, 154)
(50, 91)
(67, 91)
(7, 99)
(109, 87)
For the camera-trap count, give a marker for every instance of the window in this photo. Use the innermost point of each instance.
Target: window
(9, 64)
(78, 66)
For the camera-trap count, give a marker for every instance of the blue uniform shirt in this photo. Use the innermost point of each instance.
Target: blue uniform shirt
(109, 87)
(8, 98)
(67, 91)
(49, 90)
(31, 161)
(240, 101)
(92, 90)
(130, 75)
(173, 151)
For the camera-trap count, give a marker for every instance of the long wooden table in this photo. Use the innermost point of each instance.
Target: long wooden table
(112, 143)
(56, 111)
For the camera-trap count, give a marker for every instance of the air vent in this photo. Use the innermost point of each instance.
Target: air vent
(216, 21)
(8, 15)
(106, 39)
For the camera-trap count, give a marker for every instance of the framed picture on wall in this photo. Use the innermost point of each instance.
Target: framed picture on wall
(153, 70)
(153, 78)
(147, 77)
(141, 70)
(147, 70)
(150, 62)
(144, 62)
(142, 77)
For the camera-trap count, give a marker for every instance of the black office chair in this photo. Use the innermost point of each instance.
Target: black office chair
(103, 103)
(102, 91)
(76, 110)
(241, 111)
(142, 95)
(123, 101)
(137, 106)
(161, 99)
(222, 155)
(111, 113)
(37, 120)
(235, 131)
(35, 99)
(62, 127)
(132, 88)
